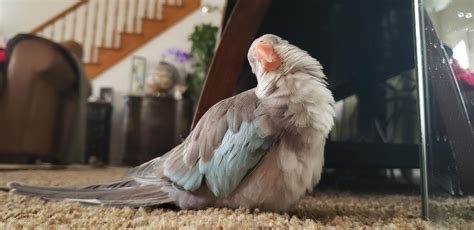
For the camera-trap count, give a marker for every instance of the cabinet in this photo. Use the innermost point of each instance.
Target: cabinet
(152, 126)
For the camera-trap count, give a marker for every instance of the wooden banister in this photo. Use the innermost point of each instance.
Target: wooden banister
(55, 18)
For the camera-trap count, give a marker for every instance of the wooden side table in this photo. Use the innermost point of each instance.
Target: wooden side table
(153, 126)
(98, 132)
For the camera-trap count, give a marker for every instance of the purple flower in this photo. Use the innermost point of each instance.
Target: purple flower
(179, 55)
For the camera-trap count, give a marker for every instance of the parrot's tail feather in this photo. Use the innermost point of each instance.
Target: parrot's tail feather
(84, 201)
(132, 196)
(112, 185)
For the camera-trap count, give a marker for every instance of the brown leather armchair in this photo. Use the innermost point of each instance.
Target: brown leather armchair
(38, 97)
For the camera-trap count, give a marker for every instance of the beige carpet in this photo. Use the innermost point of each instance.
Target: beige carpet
(327, 209)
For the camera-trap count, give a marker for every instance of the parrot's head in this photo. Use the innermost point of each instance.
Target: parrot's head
(272, 58)
(263, 54)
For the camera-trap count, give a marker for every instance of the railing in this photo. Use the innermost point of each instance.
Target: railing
(99, 23)
(59, 16)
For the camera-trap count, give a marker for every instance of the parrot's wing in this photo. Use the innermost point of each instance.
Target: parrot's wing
(234, 159)
(223, 148)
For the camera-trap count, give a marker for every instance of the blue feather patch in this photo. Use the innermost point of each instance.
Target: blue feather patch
(189, 179)
(236, 156)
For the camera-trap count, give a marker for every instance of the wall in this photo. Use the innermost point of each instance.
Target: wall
(118, 76)
(20, 16)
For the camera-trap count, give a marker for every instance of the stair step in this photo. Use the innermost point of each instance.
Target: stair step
(152, 27)
(129, 41)
(109, 48)
(105, 54)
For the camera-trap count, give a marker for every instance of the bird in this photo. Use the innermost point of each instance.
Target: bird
(262, 148)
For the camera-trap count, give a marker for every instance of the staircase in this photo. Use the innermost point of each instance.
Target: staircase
(109, 30)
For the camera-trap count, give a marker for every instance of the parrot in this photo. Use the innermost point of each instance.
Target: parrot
(262, 148)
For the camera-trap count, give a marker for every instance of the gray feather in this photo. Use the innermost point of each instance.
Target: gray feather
(208, 134)
(134, 196)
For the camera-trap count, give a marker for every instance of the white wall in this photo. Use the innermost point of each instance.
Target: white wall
(21, 16)
(118, 76)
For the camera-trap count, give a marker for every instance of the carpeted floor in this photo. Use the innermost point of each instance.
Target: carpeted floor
(324, 209)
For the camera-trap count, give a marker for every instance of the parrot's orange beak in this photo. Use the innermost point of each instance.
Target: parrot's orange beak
(267, 57)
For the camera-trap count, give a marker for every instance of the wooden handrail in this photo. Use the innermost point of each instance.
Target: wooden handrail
(55, 18)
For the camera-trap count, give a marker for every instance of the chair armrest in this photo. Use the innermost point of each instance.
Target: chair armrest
(74, 48)
(40, 59)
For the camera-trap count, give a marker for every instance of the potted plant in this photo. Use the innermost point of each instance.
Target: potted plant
(203, 41)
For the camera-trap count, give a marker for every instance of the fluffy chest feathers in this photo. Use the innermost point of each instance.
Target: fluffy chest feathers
(299, 109)
(298, 103)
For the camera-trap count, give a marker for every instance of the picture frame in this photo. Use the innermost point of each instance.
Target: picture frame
(138, 74)
(106, 94)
